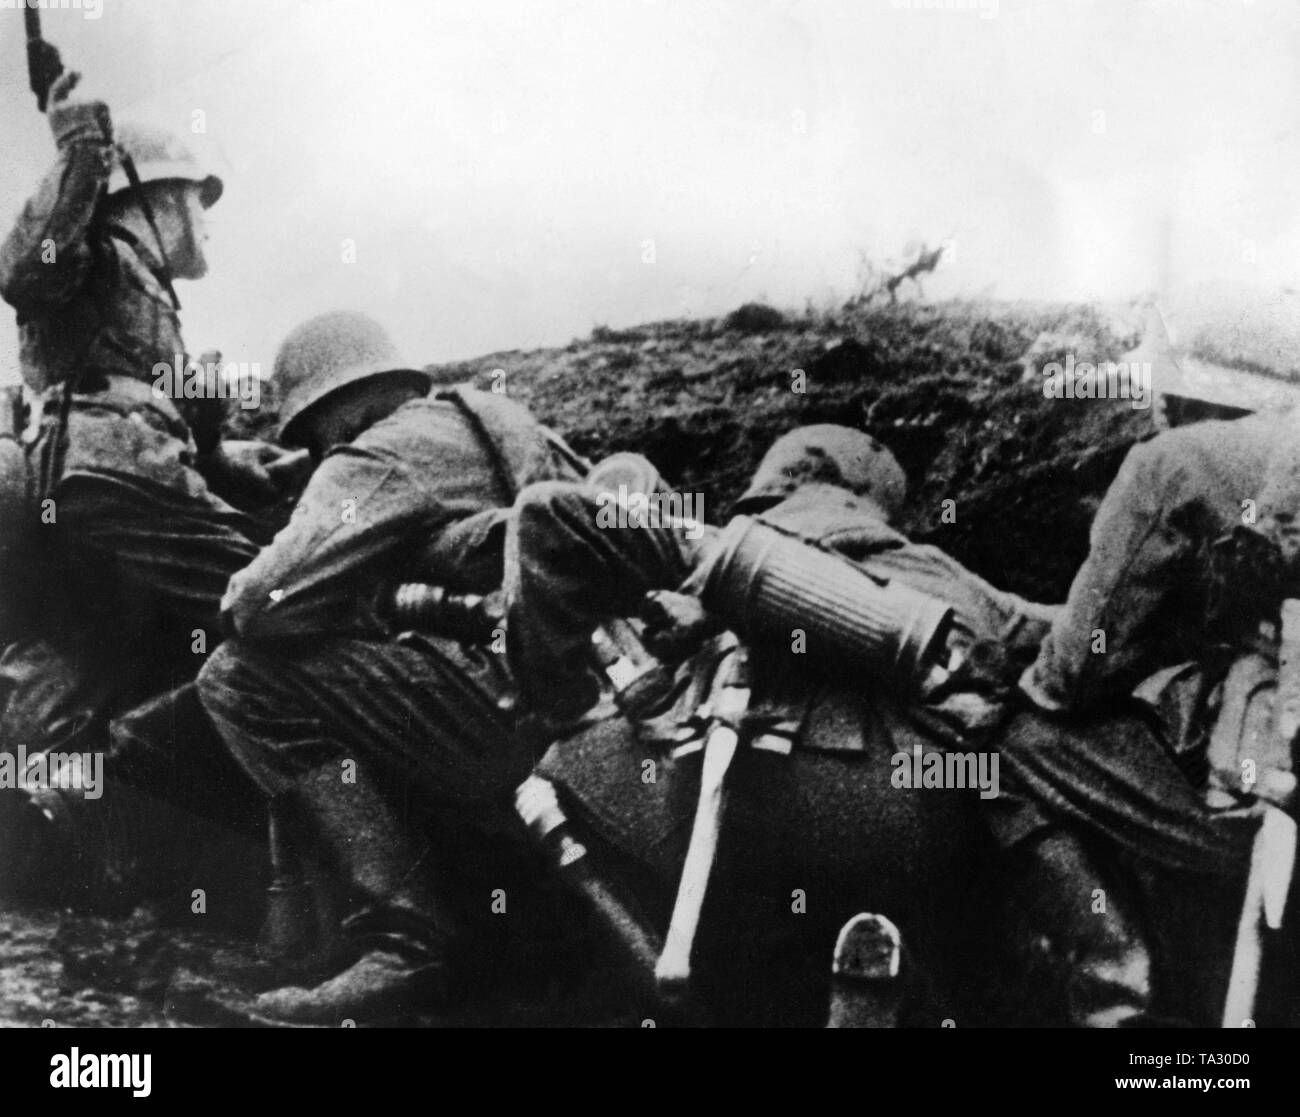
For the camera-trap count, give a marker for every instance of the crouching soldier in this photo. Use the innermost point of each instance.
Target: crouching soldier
(839, 489)
(1172, 617)
(1179, 609)
(386, 750)
(1198, 537)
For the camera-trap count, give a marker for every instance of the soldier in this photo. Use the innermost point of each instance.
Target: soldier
(1202, 524)
(16, 574)
(1177, 611)
(134, 547)
(140, 548)
(840, 488)
(388, 749)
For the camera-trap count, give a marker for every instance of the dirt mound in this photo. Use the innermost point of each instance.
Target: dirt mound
(943, 385)
(952, 388)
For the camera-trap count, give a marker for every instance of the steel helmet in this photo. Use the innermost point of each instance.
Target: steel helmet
(633, 471)
(832, 455)
(1227, 344)
(160, 157)
(327, 353)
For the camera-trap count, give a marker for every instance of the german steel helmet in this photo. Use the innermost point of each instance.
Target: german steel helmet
(160, 157)
(327, 353)
(1225, 343)
(832, 455)
(635, 472)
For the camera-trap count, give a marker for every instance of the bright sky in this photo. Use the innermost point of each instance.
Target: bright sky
(500, 165)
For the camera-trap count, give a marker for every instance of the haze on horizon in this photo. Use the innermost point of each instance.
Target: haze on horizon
(500, 167)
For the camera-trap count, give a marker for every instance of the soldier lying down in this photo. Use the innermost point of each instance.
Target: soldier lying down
(1073, 795)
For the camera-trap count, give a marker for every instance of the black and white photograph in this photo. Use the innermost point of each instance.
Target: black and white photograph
(646, 514)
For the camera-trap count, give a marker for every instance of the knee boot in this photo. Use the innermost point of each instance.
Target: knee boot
(1090, 927)
(396, 932)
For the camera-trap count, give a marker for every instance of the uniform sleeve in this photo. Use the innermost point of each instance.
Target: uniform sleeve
(1279, 505)
(467, 556)
(1109, 633)
(46, 256)
(320, 574)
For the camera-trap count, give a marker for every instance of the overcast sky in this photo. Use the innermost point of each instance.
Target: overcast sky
(500, 165)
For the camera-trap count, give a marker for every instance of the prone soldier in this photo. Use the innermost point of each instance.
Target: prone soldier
(839, 490)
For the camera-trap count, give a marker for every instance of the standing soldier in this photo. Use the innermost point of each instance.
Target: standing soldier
(141, 549)
(133, 546)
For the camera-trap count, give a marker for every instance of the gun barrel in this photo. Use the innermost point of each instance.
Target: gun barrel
(43, 63)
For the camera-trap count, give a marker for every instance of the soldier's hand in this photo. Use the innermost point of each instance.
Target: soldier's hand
(289, 470)
(71, 115)
(675, 624)
(257, 471)
(62, 89)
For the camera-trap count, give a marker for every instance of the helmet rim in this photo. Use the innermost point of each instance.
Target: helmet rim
(327, 353)
(161, 156)
(828, 453)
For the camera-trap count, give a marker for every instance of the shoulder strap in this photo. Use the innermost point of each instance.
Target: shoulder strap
(504, 475)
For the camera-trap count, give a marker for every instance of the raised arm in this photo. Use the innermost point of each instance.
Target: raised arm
(45, 258)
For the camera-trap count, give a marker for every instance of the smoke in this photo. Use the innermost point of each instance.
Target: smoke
(494, 174)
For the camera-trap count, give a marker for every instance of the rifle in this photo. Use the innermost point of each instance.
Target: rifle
(44, 68)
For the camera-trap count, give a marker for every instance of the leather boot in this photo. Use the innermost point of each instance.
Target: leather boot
(39, 852)
(397, 933)
(1089, 926)
(400, 969)
(866, 983)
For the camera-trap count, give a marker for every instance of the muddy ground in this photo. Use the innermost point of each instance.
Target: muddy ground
(946, 386)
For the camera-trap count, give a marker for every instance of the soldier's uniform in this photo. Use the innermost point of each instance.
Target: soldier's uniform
(1160, 586)
(137, 549)
(16, 574)
(1176, 609)
(314, 679)
(417, 497)
(568, 572)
